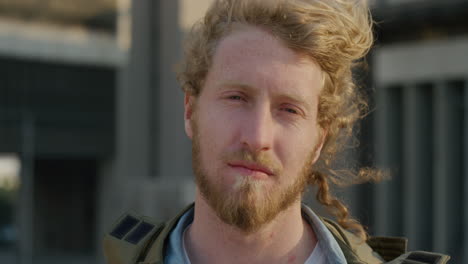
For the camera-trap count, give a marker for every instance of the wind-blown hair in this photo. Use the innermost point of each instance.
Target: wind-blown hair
(336, 34)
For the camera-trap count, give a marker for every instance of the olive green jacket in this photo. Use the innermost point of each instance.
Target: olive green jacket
(138, 239)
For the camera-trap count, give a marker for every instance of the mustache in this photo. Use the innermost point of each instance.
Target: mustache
(262, 159)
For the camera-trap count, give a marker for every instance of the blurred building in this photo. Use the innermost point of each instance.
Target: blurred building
(90, 105)
(59, 62)
(420, 69)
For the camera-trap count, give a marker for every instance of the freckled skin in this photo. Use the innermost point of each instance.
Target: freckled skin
(292, 259)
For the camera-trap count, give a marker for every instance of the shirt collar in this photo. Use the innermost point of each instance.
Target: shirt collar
(332, 250)
(328, 243)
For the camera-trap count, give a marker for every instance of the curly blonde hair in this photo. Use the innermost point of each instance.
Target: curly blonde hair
(336, 34)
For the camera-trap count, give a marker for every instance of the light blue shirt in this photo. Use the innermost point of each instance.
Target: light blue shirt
(176, 254)
(326, 240)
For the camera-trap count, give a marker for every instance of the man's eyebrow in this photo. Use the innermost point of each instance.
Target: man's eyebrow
(241, 86)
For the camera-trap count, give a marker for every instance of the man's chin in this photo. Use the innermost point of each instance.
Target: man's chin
(247, 211)
(247, 218)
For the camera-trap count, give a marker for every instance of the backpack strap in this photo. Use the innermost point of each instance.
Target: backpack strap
(380, 249)
(421, 257)
(354, 249)
(389, 248)
(129, 238)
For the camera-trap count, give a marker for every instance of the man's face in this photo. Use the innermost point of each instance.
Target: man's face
(254, 128)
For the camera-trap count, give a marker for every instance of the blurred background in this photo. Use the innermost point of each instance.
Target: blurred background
(91, 123)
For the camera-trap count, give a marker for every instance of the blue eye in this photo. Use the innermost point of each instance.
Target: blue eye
(235, 97)
(289, 110)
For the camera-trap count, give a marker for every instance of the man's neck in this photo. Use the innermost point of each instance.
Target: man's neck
(286, 239)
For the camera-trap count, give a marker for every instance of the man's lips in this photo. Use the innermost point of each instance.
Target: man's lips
(251, 167)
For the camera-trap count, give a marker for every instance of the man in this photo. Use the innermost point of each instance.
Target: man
(269, 100)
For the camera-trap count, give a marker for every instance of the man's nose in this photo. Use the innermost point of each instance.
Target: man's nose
(258, 128)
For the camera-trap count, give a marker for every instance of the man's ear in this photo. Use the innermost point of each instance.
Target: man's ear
(320, 143)
(188, 111)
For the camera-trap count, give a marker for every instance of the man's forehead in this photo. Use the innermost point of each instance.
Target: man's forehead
(255, 41)
(250, 57)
